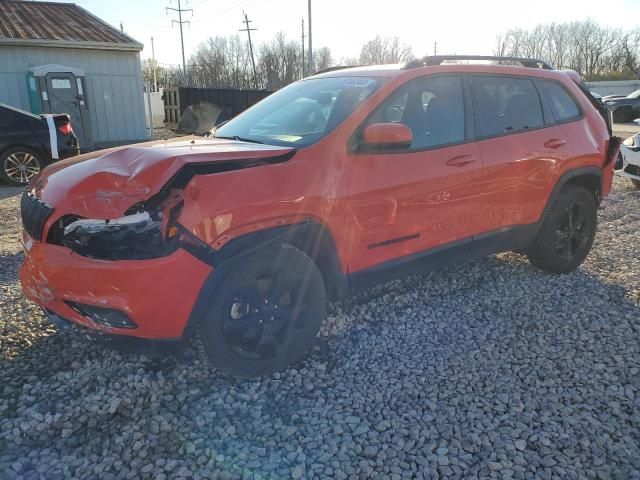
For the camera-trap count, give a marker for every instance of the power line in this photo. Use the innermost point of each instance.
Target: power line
(249, 30)
(225, 9)
(181, 22)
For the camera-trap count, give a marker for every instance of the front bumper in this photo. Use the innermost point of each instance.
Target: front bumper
(157, 294)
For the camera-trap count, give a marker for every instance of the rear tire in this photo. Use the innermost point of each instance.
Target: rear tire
(567, 232)
(18, 165)
(266, 312)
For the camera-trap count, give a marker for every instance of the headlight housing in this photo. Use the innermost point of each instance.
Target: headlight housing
(145, 232)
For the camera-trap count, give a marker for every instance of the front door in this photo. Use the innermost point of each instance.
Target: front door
(65, 92)
(407, 201)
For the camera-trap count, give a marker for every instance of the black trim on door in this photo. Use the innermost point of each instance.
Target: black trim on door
(509, 238)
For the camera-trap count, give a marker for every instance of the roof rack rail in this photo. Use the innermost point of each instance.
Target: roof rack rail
(438, 59)
(331, 69)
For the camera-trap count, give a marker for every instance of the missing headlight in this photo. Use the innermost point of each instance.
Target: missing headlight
(132, 237)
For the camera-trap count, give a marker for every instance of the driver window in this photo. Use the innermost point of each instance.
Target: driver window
(432, 107)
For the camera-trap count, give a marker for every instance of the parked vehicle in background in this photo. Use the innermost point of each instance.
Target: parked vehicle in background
(29, 142)
(624, 109)
(628, 164)
(337, 182)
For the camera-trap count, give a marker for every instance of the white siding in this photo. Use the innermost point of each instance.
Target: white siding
(114, 87)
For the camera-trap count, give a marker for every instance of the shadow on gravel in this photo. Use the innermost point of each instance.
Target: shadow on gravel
(8, 192)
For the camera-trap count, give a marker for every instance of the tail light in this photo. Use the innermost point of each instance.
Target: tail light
(65, 129)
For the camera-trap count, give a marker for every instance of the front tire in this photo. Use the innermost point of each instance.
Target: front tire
(567, 232)
(266, 311)
(19, 165)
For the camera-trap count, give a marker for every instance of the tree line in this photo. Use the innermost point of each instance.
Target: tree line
(225, 62)
(594, 51)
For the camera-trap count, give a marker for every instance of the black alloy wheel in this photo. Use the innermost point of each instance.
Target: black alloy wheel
(264, 314)
(567, 232)
(264, 311)
(572, 234)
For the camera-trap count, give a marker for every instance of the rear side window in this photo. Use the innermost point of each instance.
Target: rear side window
(562, 105)
(505, 105)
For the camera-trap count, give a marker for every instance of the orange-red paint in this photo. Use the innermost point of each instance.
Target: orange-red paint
(442, 194)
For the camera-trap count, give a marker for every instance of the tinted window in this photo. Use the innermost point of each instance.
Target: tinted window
(506, 104)
(562, 105)
(432, 107)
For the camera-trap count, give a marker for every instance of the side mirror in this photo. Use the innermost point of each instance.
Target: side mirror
(387, 135)
(637, 120)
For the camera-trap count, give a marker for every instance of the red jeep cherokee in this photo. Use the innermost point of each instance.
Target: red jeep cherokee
(342, 180)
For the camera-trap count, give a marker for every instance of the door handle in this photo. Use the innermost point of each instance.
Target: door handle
(555, 143)
(461, 160)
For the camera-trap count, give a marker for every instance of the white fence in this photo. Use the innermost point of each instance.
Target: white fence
(621, 87)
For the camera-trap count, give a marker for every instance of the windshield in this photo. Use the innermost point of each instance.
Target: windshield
(635, 94)
(302, 113)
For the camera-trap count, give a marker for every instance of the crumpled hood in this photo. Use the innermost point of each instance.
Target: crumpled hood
(105, 186)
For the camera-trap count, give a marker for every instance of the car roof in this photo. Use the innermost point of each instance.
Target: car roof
(395, 70)
(455, 63)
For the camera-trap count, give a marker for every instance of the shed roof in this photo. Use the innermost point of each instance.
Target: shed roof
(58, 25)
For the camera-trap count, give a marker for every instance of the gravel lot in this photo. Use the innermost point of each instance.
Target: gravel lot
(483, 369)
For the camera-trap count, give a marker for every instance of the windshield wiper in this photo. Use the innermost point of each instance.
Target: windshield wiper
(240, 139)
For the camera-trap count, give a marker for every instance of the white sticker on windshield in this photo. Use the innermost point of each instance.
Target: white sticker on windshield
(355, 82)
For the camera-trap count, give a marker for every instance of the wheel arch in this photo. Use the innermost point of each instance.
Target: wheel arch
(311, 237)
(589, 178)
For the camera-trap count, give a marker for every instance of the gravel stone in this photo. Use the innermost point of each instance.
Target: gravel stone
(487, 368)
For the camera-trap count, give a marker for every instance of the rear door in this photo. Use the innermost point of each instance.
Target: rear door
(406, 201)
(521, 148)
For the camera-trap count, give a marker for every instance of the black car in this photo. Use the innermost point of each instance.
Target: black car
(29, 142)
(625, 109)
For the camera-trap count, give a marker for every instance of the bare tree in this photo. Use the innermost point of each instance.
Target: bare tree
(384, 50)
(592, 50)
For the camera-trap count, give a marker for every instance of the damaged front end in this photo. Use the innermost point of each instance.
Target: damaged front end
(147, 230)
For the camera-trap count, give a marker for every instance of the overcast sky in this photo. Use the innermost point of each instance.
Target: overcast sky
(459, 26)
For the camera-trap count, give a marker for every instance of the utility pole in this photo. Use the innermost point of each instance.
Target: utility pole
(249, 30)
(310, 69)
(153, 66)
(435, 48)
(121, 27)
(180, 22)
(303, 36)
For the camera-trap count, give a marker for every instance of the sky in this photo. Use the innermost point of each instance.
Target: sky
(458, 26)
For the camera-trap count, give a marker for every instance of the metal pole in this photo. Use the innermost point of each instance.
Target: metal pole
(180, 22)
(302, 36)
(147, 87)
(184, 63)
(310, 69)
(153, 56)
(253, 61)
